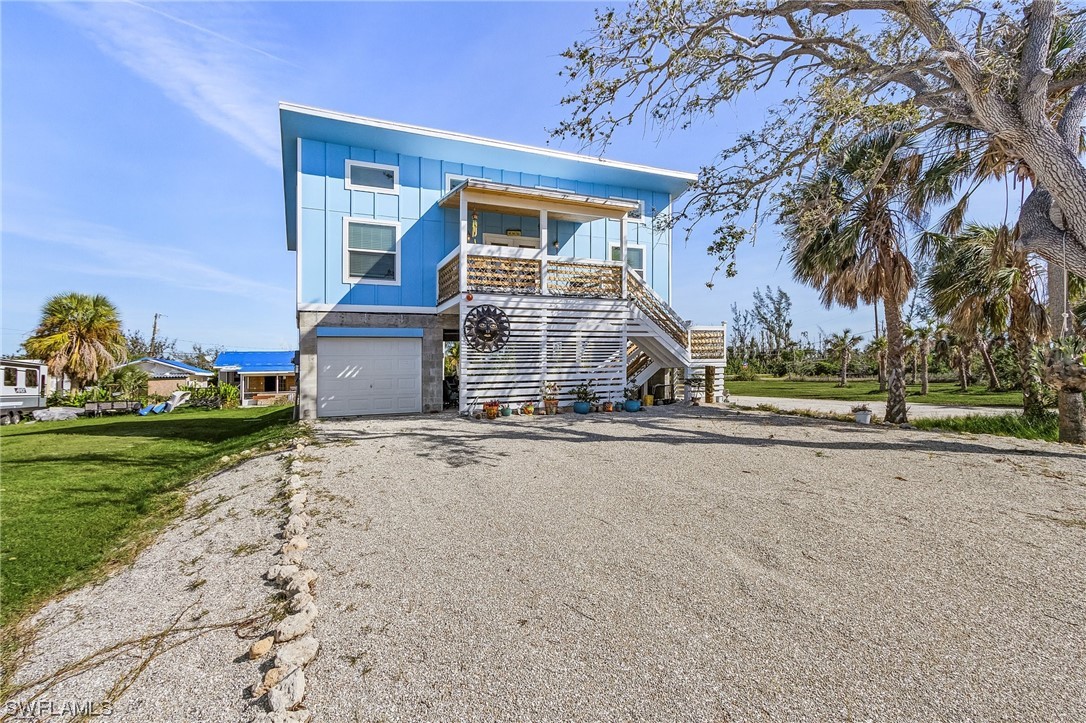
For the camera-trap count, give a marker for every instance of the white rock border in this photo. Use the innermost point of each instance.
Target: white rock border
(290, 640)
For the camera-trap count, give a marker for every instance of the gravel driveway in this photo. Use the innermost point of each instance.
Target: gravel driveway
(694, 564)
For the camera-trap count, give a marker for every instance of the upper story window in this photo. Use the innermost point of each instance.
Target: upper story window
(637, 214)
(635, 257)
(376, 177)
(452, 180)
(371, 251)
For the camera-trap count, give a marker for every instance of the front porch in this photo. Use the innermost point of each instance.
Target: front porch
(571, 319)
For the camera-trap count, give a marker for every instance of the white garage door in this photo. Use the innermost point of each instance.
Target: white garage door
(368, 376)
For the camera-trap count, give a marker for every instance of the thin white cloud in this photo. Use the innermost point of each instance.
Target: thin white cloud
(110, 252)
(223, 81)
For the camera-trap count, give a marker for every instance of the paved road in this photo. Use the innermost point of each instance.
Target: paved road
(836, 406)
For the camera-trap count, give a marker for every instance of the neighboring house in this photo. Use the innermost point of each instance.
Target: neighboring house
(166, 375)
(264, 377)
(405, 236)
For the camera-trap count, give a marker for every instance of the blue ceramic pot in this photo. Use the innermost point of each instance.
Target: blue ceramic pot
(581, 407)
(633, 405)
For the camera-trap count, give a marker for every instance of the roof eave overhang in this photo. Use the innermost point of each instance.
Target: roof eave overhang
(491, 196)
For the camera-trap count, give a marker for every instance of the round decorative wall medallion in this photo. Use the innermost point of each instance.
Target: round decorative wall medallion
(486, 328)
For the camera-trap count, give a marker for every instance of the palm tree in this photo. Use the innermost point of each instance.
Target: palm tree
(78, 335)
(957, 351)
(984, 281)
(924, 337)
(841, 346)
(848, 233)
(877, 348)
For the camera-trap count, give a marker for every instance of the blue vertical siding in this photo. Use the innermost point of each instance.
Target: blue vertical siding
(428, 233)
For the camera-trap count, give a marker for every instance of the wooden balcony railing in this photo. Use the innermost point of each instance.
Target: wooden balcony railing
(503, 274)
(657, 309)
(577, 278)
(448, 279)
(708, 342)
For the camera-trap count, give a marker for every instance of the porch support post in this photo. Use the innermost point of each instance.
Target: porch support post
(464, 386)
(622, 254)
(463, 241)
(545, 244)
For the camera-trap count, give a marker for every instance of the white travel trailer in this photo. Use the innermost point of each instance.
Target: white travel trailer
(24, 389)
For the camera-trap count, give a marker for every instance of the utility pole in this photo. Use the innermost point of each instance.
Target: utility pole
(154, 333)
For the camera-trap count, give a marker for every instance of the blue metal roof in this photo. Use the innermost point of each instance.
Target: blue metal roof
(298, 121)
(247, 362)
(172, 363)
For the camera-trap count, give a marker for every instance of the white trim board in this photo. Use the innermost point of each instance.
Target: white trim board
(464, 137)
(361, 280)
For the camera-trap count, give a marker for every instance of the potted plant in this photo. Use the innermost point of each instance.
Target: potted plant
(633, 398)
(506, 410)
(550, 397)
(492, 408)
(608, 407)
(528, 408)
(862, 413)
(585, 397)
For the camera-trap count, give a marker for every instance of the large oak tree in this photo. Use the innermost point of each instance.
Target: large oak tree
(1014, 71)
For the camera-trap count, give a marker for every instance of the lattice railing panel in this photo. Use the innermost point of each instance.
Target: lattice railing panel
(448, 280)
(504, 275)
(708, 343)
(569, 278)
(656, 309)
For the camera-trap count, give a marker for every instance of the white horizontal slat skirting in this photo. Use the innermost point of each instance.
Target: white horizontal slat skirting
(564, 340)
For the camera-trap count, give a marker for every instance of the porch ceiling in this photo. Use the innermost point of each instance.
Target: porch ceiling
(560, 205)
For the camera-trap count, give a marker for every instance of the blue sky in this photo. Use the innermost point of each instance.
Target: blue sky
(140, 147)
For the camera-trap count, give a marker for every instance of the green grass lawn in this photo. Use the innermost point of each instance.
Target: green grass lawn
(77, 496)
(938, 393)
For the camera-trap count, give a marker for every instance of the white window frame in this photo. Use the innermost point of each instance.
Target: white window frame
(395, 190)
(457, 177)
(642, 218)
(356, 280)
(644, 256)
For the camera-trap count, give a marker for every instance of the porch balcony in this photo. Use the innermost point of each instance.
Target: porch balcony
(493, 263)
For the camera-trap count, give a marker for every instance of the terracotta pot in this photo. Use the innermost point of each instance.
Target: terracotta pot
(608, 407)
(491, 412)
(551, 406)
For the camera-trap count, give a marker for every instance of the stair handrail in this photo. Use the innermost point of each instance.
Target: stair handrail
(654, 307)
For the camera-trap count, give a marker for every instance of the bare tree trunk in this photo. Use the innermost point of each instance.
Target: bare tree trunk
(896, 412)
(925, 352)
(963, 374)
(1072, 423)
(881, 358)
(844, 369)
(1033, 404)
(985, 347)
(914, 366)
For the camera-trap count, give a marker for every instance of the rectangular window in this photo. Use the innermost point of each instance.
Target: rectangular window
(635, 257)
(371, 251)
(11, 377)
(637, 214)
(376, 177)
(452, 180)
(32, 378)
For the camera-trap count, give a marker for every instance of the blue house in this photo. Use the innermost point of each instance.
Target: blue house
(264, 377)
(546, 266)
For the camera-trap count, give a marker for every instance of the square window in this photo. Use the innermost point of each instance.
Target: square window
(371, 252)
(32, 378)
(635, 257)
